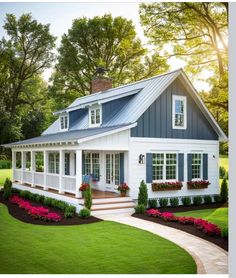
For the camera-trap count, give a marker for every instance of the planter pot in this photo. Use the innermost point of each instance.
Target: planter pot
(156, 187)
(197, 187)
(122, 194)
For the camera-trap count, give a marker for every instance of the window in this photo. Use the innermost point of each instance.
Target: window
(196, 166)
(53, 164)
(164, 166)
(18, 160)
(95, 116)
(28, 161)
(67, 164)
(179, 114)
(64, 122)
(92, 165)
(39, 162)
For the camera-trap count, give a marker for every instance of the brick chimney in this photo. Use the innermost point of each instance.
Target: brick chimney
(100, 83)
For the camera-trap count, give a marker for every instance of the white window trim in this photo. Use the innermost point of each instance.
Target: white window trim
(63, 116)
(201, 168)
(184, 99)
(94, 108)
(91, 161)
(164, 167)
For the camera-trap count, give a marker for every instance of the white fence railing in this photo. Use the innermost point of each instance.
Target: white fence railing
(17, 174)
(27, 177)
(39, 178)
(53, 181)
(69, 184)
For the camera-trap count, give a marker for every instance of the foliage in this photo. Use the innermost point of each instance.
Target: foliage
(174, 202)
(123, 187)
(7, 189)
(186, 201)
(207, 199)
(69, 211)
(143, 194)
(140, 209)
(197, 200)
(108, 42)
(167, 186)
(152, 203)
(5, 164)
(198, 184)
(217, 198)
(84, 186)
(225, 232)
(223, 173)
(84, 213)
(88, 198)
(163, 202)
(224, 191)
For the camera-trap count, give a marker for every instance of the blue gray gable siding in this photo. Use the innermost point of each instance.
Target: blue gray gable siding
(156, 122)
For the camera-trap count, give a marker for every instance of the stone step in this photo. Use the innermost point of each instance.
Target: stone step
(108, 200)
(125, 210)
(129, 204)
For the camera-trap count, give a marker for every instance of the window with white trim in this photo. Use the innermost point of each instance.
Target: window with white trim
(164, 166)
(53, 163)
(92, 165)
(64, 122)
(179, 112)
(196, 166)
(39, 162)
(95, 116)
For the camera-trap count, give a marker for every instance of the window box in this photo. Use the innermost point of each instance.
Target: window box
(165, 186)
(200, 184)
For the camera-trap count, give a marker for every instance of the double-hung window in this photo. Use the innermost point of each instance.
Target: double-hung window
(164, 166)
(179, 112)
(64, 122)
(53, 163)
(92, 165)
(196, 166)
(95, 116)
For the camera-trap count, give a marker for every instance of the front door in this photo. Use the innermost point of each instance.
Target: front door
(112, 171)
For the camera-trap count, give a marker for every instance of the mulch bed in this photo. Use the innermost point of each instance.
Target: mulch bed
(218, 240)
(21, 215)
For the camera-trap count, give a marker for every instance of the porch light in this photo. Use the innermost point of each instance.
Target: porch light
(141, 159)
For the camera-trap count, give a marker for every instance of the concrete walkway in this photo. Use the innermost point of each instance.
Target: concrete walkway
(210, 259)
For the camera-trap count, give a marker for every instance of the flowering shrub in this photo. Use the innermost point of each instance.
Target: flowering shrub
(123, 187)
(203, 225)
(160, 186)
(198, 184)
(84, 186)
(35, 212)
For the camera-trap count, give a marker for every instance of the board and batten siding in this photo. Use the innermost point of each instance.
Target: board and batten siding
(156, 122)
(184, 147)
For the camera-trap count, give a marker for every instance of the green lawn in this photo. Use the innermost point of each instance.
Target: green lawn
(218, 216)
(5, 173)
(104, 247)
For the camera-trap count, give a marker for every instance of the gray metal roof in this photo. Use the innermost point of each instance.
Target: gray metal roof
(68, 136)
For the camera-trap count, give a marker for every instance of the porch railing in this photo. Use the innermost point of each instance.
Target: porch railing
(69, 183)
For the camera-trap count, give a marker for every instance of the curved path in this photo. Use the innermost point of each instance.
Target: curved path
(210, 258)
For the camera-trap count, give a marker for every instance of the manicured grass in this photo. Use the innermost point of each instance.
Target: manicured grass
(5, 173)
(218, 216)
(103, 247)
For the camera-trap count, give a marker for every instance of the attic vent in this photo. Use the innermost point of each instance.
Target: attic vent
(100, 82)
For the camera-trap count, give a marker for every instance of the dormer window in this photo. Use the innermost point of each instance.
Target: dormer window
(95, 116)
(179, 112)
(64, 122)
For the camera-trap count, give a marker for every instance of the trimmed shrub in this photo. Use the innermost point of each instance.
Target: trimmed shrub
(163, 202)
(152, 203)
(186, 201)
(174, 202)
(15, 191)
(88, 198)
(225, 232)
(143, 194)
(47, 201)
(207, 199)
(224, 191)
(25, 194)
(5, 164)
(217, 198)
(7, 189)
(84, 213)
(140, 209)
(222, 172)
(197, 200)
(69, 211)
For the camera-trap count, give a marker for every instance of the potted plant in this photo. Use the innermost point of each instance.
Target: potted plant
(123, 188)
(83, 188)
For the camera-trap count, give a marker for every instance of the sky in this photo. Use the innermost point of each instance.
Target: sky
(60, 16)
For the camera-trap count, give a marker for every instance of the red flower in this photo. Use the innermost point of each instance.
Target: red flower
(123, 187)
(84, 186)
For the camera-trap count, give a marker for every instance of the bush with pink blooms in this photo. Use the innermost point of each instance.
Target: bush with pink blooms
(201, 224)
(41, 213)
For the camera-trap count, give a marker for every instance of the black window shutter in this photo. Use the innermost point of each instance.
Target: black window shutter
(121, 167)
(189, 166)
(181, 167)
(149, 167)
(205, 166)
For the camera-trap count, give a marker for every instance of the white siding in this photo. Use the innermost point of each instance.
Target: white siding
(146, 145)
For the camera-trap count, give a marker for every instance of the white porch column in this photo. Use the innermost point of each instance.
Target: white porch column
(22, 166)
(78, 172)
(13, 164)
(61, 169)
(45, 163)
(32, 162)
(72, 164)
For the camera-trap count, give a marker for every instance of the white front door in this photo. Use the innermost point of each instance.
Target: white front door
(112, 171)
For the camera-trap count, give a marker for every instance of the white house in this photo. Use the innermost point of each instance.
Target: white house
(156, 130)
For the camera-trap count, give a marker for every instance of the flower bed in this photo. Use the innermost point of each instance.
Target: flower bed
(163, 186)
(198, 184)
(205, 226)
(35, 212)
